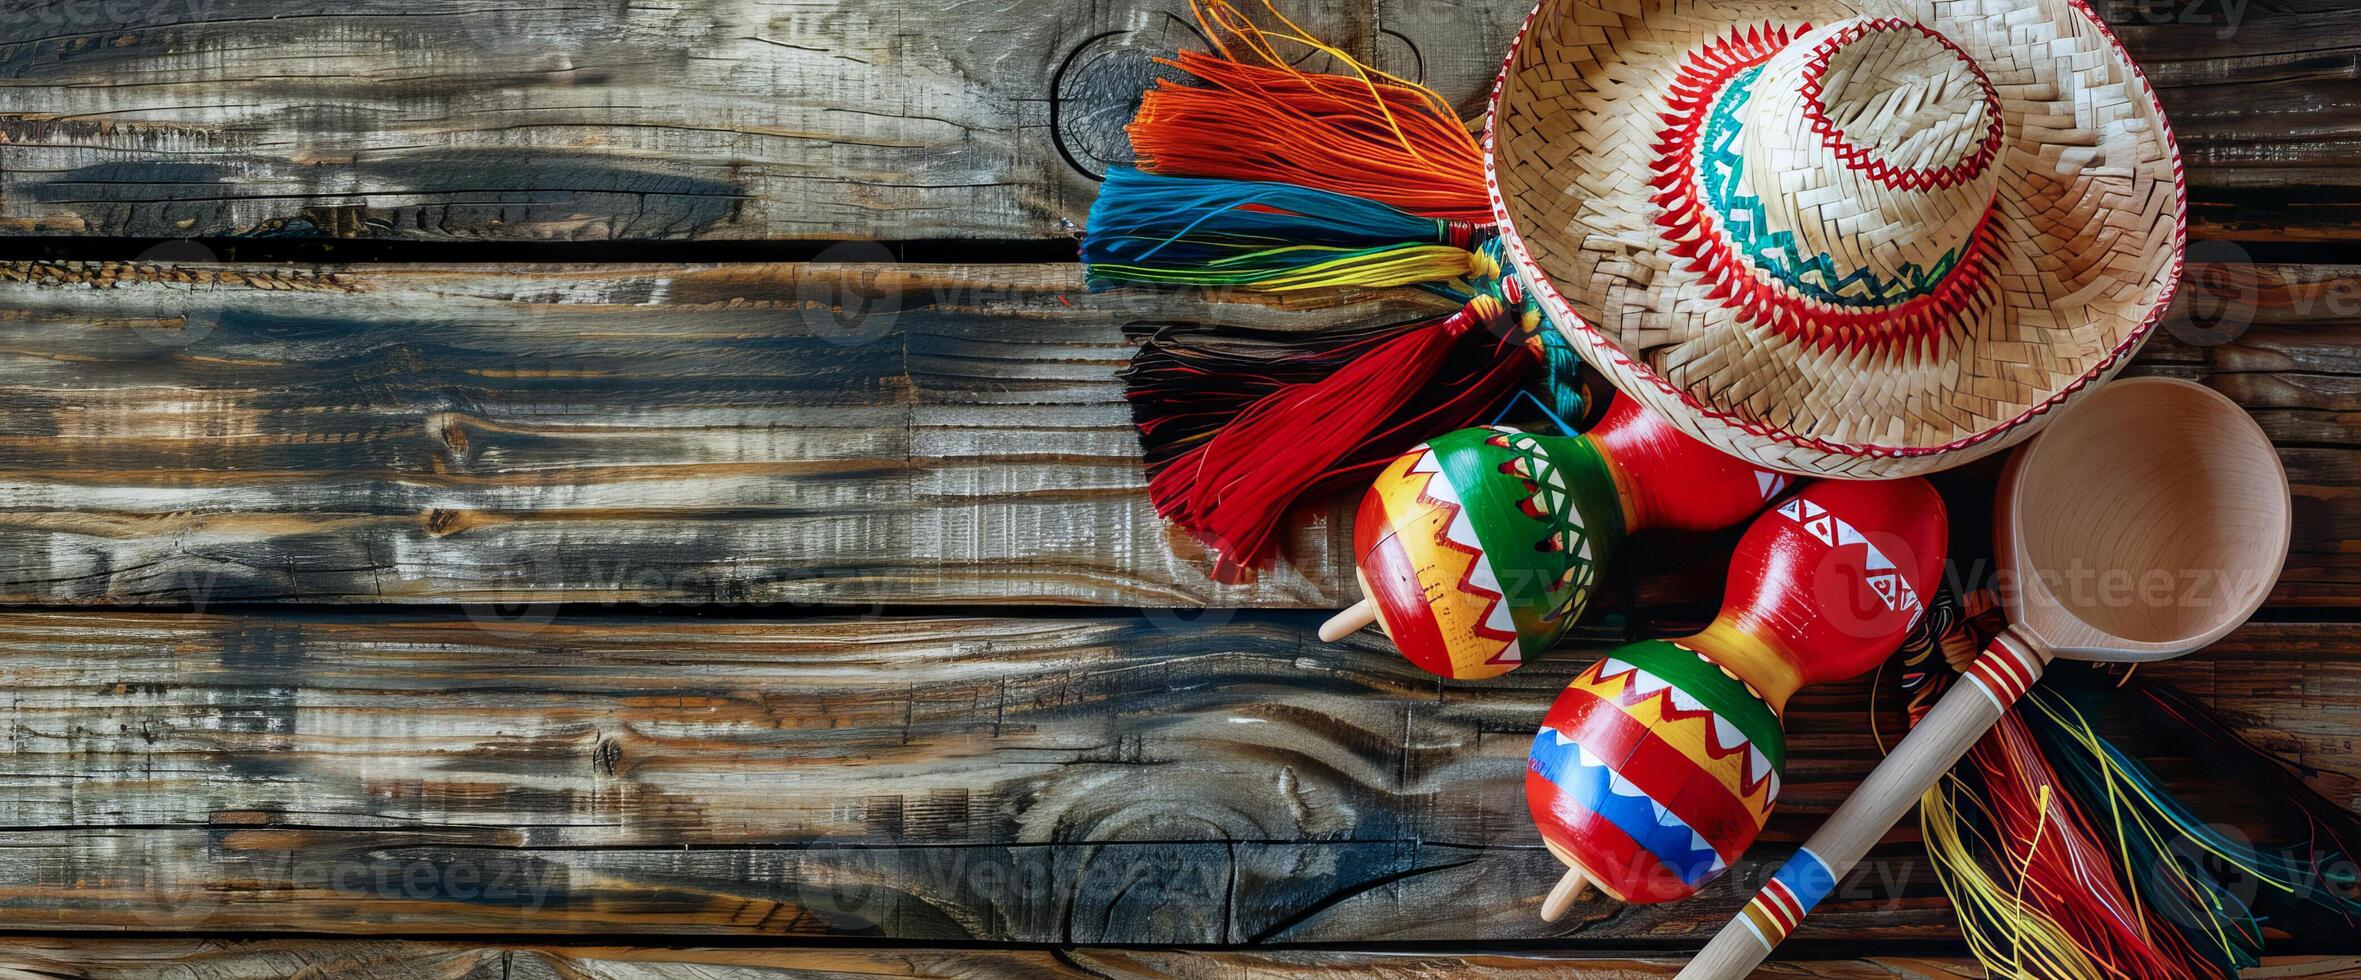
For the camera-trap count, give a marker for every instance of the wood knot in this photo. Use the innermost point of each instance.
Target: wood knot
(608, 756)
(447, 428)
(442, 523)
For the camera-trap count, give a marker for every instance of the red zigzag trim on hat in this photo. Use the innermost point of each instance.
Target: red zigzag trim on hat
(1913, 327)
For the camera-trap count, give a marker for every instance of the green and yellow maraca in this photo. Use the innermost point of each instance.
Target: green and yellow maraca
(1477, 550)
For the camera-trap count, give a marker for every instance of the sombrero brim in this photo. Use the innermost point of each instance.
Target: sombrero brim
(2089, 230)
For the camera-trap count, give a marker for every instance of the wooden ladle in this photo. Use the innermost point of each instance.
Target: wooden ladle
(2146, 523)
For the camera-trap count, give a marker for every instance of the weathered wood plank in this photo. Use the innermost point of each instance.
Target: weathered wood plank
(1079, 780)
(726, 435)
(2261, 95)
(397, 960)
(713, 435)
(753, 119)
(447, 119)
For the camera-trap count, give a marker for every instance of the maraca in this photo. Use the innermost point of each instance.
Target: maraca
(1478, 549)
(1658, 765)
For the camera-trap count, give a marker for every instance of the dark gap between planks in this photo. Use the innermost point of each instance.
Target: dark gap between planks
(321, 251)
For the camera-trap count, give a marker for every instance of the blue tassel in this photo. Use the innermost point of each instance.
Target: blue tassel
(1147, 228)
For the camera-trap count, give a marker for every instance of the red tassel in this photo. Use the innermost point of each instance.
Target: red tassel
(1186, 382)
(2066, 868)
(1237, 479)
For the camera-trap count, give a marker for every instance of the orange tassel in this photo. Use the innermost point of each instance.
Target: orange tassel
(1256, 117)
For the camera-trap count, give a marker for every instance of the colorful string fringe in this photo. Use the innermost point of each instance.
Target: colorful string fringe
(1255, 174)
(1252, 115)
(2065, 857)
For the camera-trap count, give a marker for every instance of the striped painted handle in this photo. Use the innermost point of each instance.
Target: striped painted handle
(1996, 680)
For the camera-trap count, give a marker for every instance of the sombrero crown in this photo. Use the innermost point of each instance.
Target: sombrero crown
(1849, 239)
(1835, 193)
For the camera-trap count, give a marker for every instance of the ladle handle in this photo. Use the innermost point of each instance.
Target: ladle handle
(1996, 680)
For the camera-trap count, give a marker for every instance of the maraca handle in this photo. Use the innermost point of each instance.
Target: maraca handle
(1996, 680)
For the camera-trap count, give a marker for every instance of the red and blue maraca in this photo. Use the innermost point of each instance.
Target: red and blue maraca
(1658, 766)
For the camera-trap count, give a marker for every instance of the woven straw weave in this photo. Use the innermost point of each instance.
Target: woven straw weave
(2012, 143)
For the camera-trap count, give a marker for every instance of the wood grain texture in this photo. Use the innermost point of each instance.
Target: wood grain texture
(2260, 96)
(758, 119)
(1053, 780)
(450, 119)
(715, 435)
(396, 960)
(729, 435)
(807, 448)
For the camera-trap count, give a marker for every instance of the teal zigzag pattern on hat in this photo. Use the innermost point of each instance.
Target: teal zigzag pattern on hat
(1722, 174)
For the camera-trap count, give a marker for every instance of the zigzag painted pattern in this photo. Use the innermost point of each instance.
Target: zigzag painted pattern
(1884, 579)
(1682, 721)
(1551, 502)
(1459, 534)
(1583, 776)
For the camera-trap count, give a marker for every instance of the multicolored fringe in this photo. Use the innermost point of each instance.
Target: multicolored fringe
(1255, 174)
(1189, 381)
(2330, 832)
(1250, 114)
(2042, 839)
(1148, 228)
(2065, 857)
(2201, 873)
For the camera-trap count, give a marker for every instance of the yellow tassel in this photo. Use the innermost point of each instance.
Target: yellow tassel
(2042, 949)
(1406, 266)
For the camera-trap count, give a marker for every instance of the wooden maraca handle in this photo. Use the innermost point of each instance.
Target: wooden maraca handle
(1996, 680)
(1569, 889)
(1350, 621)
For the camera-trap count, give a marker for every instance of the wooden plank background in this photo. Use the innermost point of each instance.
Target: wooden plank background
(275, 958)
(674, 612)
(751, 119)
(1096, 779)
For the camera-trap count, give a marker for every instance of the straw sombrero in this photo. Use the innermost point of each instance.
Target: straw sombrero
(1851, 239)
